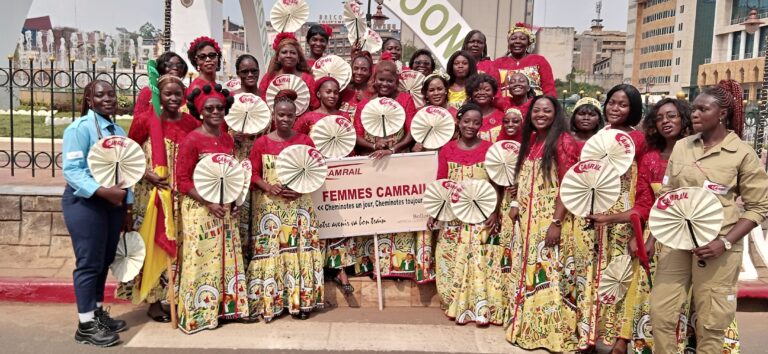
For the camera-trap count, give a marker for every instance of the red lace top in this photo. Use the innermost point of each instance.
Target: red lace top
(349, 101)
(195, 146)
(143, 102)
(489, 67)
(567, 154)
(306, 77)
(451, 152)
(506, 103)
(172, 130)
(264, 145)
(536, 66)
(651, 168)
(306, 121)
(403, 98)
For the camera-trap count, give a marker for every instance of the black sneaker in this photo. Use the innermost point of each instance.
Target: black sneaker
(96, 333)
(114, 325)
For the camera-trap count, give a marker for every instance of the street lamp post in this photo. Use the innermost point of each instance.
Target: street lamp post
(751, 25)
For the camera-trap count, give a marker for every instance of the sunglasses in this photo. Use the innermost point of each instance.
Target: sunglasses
(211, 56)
(254, 72)
(422, 62)
(170, 65)
(212, 109)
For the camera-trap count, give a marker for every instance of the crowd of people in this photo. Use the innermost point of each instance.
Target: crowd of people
(532, 266)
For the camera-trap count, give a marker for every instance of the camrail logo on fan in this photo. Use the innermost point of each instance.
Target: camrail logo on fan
(435, 110)
(511, 146)
(223, 159)
(410, 74)
(625, 141)
(316, 155)
(232, 83)
(666, 200)
(449, 185)
(111, 143)
(281, 80)
(587, 166)
(388, 102)
(248, 99)
(344, 123)
(322, 61)
(290, 2)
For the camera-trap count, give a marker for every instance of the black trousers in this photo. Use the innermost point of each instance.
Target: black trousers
(94, 226)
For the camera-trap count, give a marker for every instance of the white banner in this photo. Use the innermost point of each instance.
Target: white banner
(256, 32)
(362, 196)
(436, 22)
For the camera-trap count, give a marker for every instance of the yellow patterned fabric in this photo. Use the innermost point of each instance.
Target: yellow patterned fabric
(211, 274)
(468, 259)
(286, 269)
(456, 98)
(542, 312)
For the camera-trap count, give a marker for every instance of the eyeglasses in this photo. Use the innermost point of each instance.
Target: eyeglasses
(177, 65)
(246, 72)
(422, 62)
(212, 109)
(668, 116)
(211, 56)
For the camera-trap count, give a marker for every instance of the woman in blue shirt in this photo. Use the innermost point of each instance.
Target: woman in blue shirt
(94, 215)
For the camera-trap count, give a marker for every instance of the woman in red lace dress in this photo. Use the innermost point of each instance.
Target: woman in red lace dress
(288, 59)
(520, 41)
(481, 90)
(475, 44)
(205, 53)
(327, 92)
(359, 87)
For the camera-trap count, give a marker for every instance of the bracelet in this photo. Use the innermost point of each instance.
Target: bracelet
(514, 204)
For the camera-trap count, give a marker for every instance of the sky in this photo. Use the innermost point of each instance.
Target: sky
(107, 14)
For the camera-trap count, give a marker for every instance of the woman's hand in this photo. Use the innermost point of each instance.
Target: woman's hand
(492, 223)
(417, 147)
(290, 194)
(115, 195)
(216, 210)
(275, 189)
(711, 250)
(650, 246)
(600, 220)
(157, 181)
(553, 236)
(128, 220)
(511, 190)
(514, 213)
(431, 223)
(379, 154)
(633, 247)
(235, 210)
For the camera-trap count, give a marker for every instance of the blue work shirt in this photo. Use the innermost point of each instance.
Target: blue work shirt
(79, 136)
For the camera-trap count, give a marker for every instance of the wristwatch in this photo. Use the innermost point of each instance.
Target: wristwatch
(726, 243)
(557, 222)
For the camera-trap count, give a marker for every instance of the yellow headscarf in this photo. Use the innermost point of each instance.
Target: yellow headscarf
(524, 29)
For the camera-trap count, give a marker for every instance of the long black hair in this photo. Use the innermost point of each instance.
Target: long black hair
(470, 59)
(635, 103)
(428, 80)
(469, 36)
(653, 138)
(162, 62)
(549, 157)
(585, 109)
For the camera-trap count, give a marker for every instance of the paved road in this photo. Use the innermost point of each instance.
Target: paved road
(44, 328)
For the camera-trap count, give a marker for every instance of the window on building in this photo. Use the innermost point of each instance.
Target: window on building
(749, 44)
(680, 26)
(677, 61)
(679, 44)
(682, 9)
(676, 77)
(736, 44)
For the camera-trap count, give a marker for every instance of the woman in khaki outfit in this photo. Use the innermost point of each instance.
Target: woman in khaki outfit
(715, 157)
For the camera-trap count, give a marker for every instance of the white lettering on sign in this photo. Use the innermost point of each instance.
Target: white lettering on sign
(436, 22)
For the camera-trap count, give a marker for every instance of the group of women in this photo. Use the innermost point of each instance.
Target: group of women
(532, 266)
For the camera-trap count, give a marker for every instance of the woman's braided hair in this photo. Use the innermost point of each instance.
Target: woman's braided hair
(728, 94)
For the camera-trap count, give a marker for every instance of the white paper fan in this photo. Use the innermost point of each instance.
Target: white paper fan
(686, 218)
(218, 178)
(289, 15)
(615, 279)
(335, 67)
(301, 168)
(590, 187)
(437, 199)
(129, 257)
(289, 82)
(433, 127)
(473, 201)
(371, 42)
(249, 114)
(412, 81)
(232, 84)
(247, 174)
(382, 117)
(354, 20)
(334, 136)
(116, 160)
(611, 145)
(501, 160)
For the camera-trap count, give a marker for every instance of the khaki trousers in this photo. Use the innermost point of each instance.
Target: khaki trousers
(714, 297)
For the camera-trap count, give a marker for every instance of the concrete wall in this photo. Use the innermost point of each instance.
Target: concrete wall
(492, 17)
(33, 237)
(556, 44)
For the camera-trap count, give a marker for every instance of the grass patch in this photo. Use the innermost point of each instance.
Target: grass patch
(23, 129)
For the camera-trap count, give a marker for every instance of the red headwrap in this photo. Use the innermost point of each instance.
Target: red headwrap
(281, 37)
(200, 99)
(387, 56)
(319, 82)
(193, 44)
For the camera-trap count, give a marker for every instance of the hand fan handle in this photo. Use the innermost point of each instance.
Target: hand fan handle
(591, 224)
(688, 222)
(384, 125)
(245, 119)
(291, 181)
(426, 135)
(480, 209)
(221, 191)
(440, 210)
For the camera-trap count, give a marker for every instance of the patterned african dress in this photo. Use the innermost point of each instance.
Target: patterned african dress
(456, 99)
(397, 252)
(535, 66)
(614, 318)
(174, 132)
(212, 274)
(340, 252)
(542, 310)
(491, 127)
(286, 270)
(650, 179)
(351, 98)
(468, 256)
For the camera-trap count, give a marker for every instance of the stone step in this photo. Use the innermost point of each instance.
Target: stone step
(396, 293)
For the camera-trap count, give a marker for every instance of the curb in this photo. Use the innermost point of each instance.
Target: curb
(41, 290)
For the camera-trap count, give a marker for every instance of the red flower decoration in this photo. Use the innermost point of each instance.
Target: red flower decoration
(522, 24)
(280, 37)
(193, 44)
(327, 29)
(386, 56)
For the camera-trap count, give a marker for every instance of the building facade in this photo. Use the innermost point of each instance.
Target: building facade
(556, 44)
(735, 53)
(596, 45)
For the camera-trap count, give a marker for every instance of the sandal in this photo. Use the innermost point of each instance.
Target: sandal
(158, 316)
(303, 315)
(346, 288)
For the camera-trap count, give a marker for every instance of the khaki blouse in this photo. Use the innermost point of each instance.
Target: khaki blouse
(732, 164)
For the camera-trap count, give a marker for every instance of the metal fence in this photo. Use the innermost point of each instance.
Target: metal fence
(51, 82)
